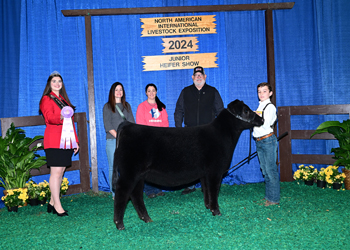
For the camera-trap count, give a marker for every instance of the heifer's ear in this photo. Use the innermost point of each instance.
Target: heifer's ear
(232, 106)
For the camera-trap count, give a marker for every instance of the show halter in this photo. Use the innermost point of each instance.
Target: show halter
(240, 117)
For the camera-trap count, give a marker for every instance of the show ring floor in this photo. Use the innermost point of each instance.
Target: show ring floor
(308, 217)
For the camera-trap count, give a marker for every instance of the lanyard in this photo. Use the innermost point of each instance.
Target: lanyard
(120, 112)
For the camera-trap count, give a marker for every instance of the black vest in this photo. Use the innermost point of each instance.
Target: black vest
(199, 105)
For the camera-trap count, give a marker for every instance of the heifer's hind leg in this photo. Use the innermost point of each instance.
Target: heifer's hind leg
(139, 204)
(122, 194)
(205, 192)
(213, 191)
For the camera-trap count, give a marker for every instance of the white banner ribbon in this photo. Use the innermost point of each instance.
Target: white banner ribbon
(67, 135)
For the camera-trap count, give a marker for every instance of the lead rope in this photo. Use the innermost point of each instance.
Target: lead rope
(250, 143)
(251, 156)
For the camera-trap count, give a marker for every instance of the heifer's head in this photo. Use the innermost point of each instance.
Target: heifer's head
(242, 112)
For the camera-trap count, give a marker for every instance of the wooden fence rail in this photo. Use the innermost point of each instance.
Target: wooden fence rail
(82, 164)
(285, 145)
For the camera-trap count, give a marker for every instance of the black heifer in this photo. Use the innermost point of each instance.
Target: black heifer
(172, 157)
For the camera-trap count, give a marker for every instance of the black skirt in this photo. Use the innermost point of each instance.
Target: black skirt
(56, 157)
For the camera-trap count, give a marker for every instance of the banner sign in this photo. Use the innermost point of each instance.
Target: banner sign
(179, 61)
(180, 44)
(174, 26)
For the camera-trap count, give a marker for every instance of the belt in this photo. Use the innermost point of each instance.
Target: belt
(263, 137)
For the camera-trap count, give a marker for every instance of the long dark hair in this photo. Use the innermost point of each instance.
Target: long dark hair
(48, 90)
(160, 105)
(111, 98)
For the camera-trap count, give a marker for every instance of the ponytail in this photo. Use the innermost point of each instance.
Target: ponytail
(160, 105)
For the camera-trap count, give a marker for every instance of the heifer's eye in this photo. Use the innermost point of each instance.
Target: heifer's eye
(245, 110)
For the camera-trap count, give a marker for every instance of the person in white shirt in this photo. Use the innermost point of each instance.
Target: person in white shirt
(266, 145)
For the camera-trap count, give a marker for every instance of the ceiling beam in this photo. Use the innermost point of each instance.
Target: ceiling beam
(178, 9)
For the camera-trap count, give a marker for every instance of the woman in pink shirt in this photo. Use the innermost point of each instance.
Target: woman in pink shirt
(152, 113)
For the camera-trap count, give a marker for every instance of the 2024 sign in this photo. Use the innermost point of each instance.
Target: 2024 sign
(180, 44)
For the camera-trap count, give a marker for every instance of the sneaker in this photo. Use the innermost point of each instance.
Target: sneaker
(152, 195)
(188, 190)
(270, 203)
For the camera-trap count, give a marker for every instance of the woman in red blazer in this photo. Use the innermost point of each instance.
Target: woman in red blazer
(52, 101)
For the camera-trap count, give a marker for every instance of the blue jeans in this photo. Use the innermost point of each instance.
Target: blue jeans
(110, 149)
(151, 190)
(267, 153)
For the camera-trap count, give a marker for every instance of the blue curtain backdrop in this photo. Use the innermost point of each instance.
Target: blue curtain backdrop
(311, 56)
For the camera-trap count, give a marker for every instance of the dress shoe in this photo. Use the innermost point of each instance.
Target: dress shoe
(55, 212)
(51, 208)
(62, 214)
(188, 190)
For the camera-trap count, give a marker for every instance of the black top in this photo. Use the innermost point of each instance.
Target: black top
(197, 107)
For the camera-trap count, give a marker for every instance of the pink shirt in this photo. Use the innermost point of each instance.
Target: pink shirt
(148, 114)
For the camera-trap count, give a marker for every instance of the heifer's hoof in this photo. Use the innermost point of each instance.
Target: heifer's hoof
(146, 219)
(216, 212)
(120, 226)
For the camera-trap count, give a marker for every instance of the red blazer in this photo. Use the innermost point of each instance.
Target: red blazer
(52, 116)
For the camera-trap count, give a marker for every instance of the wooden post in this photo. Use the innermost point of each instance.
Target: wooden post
(270, 53)
(92, 114)
(285, 145)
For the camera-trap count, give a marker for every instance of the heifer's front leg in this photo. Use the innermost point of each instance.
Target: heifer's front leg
(213, 191)
(139, 204)
(122, 194)
(205, 192)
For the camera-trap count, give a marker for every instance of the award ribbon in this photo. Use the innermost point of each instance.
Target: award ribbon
(67, 134)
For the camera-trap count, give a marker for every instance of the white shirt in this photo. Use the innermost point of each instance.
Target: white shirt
(269, 117)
